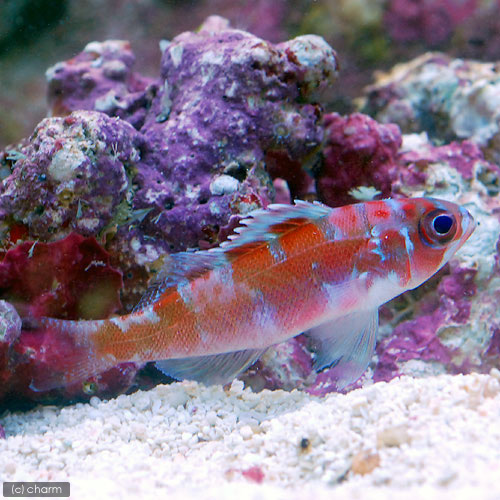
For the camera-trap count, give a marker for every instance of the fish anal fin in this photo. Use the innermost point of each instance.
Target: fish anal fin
(345, 345)
(212, 369)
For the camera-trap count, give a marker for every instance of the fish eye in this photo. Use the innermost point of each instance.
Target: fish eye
(442, 223)
(438, 227)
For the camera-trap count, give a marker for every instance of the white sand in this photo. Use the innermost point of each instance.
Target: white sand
(437, 437)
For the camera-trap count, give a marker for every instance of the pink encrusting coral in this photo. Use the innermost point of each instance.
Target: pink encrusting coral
(71, 278)
(358, 152)
(361, 152)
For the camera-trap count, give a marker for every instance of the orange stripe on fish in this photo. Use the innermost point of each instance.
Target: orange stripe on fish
(287, 269)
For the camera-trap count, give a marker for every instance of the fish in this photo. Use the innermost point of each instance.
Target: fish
(286, 270)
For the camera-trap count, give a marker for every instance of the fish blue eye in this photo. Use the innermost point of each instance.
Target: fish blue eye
(442, 224)
(437, 227)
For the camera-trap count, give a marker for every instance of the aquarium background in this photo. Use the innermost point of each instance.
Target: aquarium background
(355, 100)
(369, 35)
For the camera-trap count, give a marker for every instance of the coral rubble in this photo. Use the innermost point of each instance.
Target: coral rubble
(447, 98)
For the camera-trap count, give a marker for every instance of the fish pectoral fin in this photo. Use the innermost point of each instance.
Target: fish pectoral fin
(345, 345)
(212, 369)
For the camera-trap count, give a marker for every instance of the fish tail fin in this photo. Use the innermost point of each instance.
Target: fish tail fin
(66, 353)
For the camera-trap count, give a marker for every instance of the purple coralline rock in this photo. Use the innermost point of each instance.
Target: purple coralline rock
(228, 100)
(447, 98)
(154, 167)
(445, 307)
(101, 79)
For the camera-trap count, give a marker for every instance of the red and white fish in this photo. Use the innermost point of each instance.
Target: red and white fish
(290, 269)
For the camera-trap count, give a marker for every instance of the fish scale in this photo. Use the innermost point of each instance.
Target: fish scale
(287, 270)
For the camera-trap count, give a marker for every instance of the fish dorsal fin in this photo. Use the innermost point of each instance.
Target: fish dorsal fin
(179, 268)
(345, 345)
(265, 225)
(259, 227)
(212, 369)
